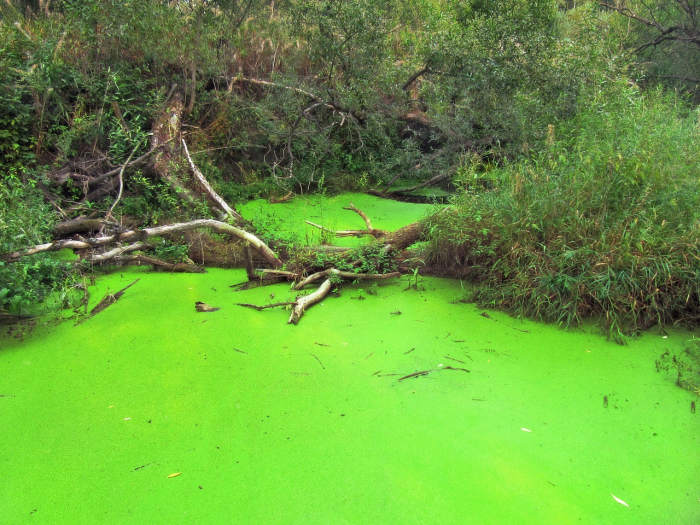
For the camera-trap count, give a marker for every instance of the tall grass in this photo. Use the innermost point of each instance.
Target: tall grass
(604, 222)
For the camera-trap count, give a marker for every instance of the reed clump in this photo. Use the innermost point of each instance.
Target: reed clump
(604, 222)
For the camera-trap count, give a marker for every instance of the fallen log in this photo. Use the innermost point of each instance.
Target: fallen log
(344, 275)
(158, 263)
(116, 252)
(78, 225)
(218, 226)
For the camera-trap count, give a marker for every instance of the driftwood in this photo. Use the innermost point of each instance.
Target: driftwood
(392, 241)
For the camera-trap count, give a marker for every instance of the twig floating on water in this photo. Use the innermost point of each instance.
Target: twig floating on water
(456, 368)
(416, 374)
(239, 350)
(487, 316)
(319, 361)
(454, 359)
(108, 300)
(263, 307)
(319, 344)
(409, 351)
(426, 372)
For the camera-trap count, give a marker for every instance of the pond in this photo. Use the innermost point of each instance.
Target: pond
(386, 404)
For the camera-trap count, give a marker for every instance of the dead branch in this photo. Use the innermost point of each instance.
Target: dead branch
(218, 226)
(687, 31)
(344, 275)
(277, 200)
(433, 180)
(415, 77)
(208, 189)
(263, 307)
(108, 215)
(108, 300)
(158, 263)
(138, 160)
(280, 273)
(403, 237)
(352, 233)
(307, 301)
(78, 225)
(362, 214)
(116, 252)
(340, 233)
(426, 372)
(328, 103)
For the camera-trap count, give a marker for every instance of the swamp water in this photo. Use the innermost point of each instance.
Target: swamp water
(151, 412)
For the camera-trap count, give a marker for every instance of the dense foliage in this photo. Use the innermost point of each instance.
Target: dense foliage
(566, 129)
(603, 221)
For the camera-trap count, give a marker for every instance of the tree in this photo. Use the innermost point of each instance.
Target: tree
(665, 36)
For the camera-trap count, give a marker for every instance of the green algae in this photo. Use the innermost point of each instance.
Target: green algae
(272, 423)
(287, 219)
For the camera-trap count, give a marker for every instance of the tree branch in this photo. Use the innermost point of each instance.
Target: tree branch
(218, 226)
(208, 189)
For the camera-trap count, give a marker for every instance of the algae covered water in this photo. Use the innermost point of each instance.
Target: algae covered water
(152, 412)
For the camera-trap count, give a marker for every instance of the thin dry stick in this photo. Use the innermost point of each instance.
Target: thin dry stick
(208, 189)
(121, 185)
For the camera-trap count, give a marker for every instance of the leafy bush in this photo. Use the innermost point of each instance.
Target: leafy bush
(603, 222)
(26, 220)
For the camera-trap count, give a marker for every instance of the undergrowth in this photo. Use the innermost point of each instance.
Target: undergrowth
(604, 222)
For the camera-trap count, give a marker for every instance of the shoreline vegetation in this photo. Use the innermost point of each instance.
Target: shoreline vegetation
(566, 134)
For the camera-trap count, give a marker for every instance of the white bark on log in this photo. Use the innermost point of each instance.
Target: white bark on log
(208, 189)
(347, 233)
(218, 226)
(303, 303)
(116, 252)
(344, 275)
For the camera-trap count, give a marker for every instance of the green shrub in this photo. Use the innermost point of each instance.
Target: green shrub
(603, 222)
(26, 220)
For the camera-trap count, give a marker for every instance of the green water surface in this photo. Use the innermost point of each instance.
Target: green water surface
(265, 422)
